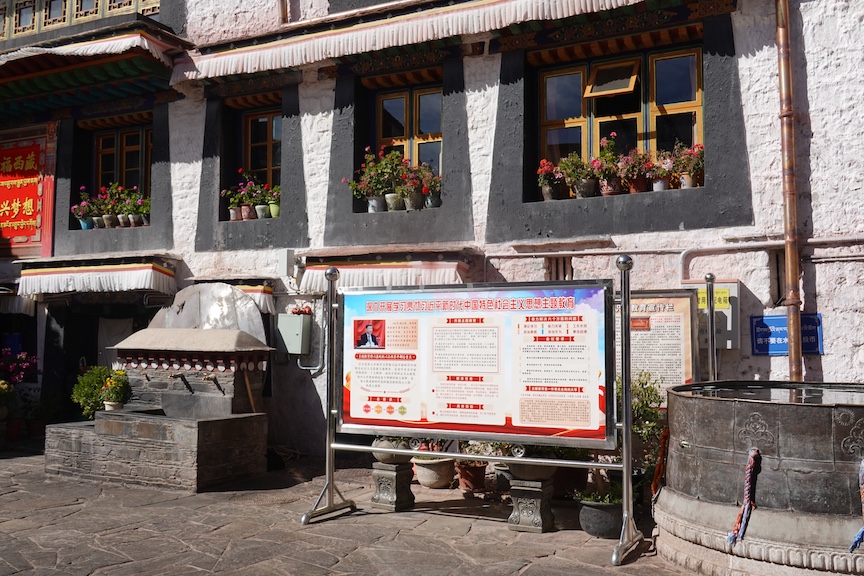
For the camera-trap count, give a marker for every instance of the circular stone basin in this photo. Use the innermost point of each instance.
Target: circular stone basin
(808, 507)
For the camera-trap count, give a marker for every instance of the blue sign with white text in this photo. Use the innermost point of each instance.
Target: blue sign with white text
(769, 335)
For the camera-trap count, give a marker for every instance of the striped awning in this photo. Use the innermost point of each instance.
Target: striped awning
(111, 45)
(476, 17)
(385, 275)
(102, 277)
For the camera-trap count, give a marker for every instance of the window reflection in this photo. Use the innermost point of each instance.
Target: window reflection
(564, 96)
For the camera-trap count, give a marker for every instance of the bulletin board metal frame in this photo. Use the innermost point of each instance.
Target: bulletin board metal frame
(560, 304)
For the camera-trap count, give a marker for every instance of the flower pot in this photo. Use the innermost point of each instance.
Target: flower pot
(414, 201)
(611, 186)
(638, 184)
(587, 188)
(247, 212)
(531, 471)
(110, 220)
(658, 184)
(433, 200)
(86, 223)
(376, 204)
(98, 222)
(146, 219)
(123, 220)
(554, 192)
(434, 472)
(234, 214)
(472, 477)
(687, 181)
(113, 405)
(385, 458)
(601, 519)
(262, 211)
(394, 202)
(136, 220)
(274, 210)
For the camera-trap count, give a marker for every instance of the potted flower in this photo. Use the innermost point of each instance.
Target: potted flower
(579, 176)
(380, 176)
(472, 473)
(432, 471)
(551, 181)
(87, 392)
(606, 166)
(135, 206)
(600, 512)
(689, 164)
(273, 195)
(430, 185)
(246, 194)
(110, 198)
(83, 211)
(115, 391)
(660, 170)
(633, 167)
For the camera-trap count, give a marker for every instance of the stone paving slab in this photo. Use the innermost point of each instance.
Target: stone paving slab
(52, 526)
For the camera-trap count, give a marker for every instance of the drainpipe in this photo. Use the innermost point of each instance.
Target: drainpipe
(790, 206)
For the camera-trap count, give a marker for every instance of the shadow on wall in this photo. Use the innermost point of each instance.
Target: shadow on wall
(296, 411)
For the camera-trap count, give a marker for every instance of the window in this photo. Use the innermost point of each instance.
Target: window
(649, 101)
(262, 154)
(410, 121)
(124, 156)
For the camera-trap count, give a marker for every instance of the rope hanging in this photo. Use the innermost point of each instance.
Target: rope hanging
(660, 469)
(750, 473)
(860, 536)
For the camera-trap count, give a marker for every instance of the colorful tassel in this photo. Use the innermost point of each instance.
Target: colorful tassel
(750, 473)
(860, 536)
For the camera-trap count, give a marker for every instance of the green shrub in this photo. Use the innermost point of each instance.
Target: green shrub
(87, 393)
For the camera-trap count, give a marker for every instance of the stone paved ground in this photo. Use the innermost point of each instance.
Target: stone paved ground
(51, 527)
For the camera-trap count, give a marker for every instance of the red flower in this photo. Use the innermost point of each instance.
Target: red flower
(425, 190)
(239, 170)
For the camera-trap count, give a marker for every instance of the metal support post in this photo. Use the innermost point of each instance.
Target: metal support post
(712, 327)
(330, 489)
(630, 535)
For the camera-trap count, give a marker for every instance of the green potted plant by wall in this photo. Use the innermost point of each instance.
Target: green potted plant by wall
(600, 511)
(472, 472)
(633, 167)
(660, 170)
(579, 176)
(378, 180)
(551, 181)
(111, 197)
(606, 166)
(83, 211)
(87, 392)
(689, 164)
(115, 390)
(273, 196)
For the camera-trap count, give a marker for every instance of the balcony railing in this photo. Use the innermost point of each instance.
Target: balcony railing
(30, 17)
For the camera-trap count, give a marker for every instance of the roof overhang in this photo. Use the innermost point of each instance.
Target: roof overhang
(413, 27)
(384, 274)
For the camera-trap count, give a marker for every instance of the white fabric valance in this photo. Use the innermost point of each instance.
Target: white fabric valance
(385, 275)
(14, 304)
(424, 26)
(261, 295)
(97, 278)
(113, 45)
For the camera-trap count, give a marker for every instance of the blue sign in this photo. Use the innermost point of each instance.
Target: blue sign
(769, 335)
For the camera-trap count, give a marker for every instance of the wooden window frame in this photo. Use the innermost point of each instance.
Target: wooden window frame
(119, 168)
(635, 69)
(694, 106)
(411, 140)
(640, 129)
(48, 22)
(248, 118)
(581, 122)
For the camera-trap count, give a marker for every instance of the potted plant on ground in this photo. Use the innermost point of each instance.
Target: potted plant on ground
(551, 181)
(395, 442)
(472, 473)
(115, 390)
(579, 176)
(432, 471)
(600, 512)
(87, 392)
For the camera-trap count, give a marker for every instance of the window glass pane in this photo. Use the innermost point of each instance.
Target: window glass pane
(276, 156)
(430, 152)
(131, 160)
(562, 142)
(277, 128)
(626, 133)
(675, 79)
(629, 103)
(55, 9)
(564, 96)
(25, 16)
(131, 139)
(87, 5)
(258, 158)
(276, 178)
(259, 130)
(107, 162)
(429, 115)
(131, 178)
(106, 142)
(612, 78)
(393, 117)
(672, 127)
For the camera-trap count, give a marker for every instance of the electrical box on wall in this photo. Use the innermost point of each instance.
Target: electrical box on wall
(727, 312)
(293, 333)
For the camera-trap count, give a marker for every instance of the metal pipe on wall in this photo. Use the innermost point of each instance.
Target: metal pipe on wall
(790, 202)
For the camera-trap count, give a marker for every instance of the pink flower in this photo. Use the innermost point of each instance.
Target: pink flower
(613, 134)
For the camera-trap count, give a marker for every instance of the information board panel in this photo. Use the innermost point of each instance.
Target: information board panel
(513, 362)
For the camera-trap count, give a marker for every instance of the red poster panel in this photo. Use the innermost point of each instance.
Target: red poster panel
(25, 190)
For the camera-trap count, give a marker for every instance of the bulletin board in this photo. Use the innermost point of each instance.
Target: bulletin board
(529, 363)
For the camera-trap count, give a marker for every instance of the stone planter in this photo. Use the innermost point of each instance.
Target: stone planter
(601, 519)
(434, 472)
(531, 471)
(385, 458)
